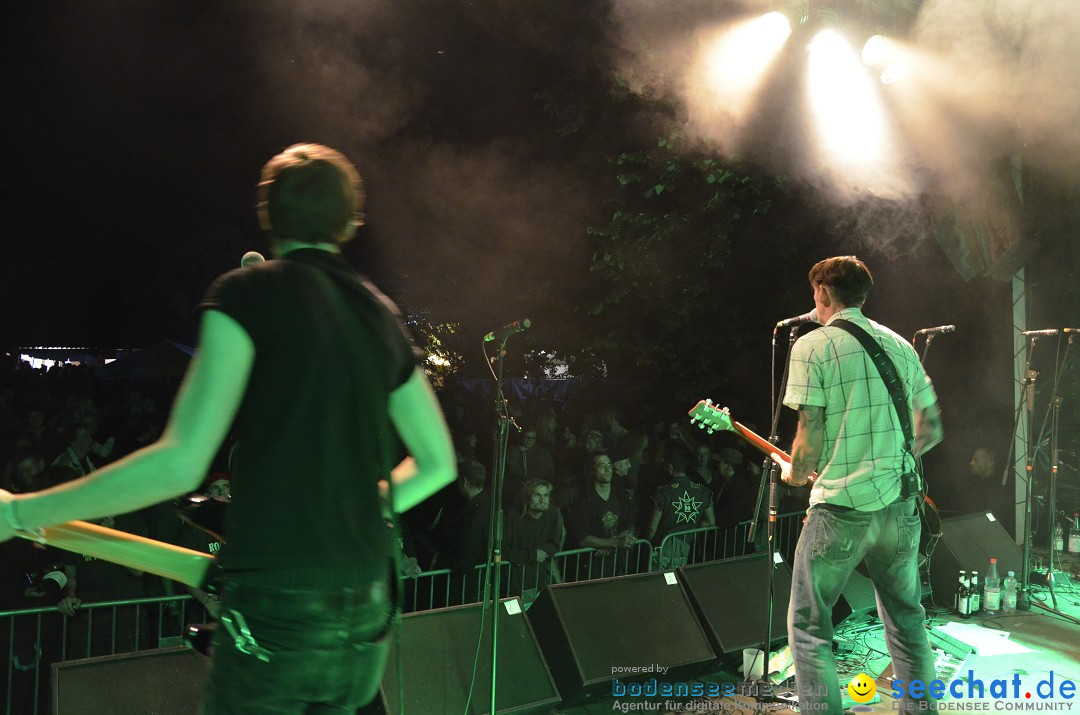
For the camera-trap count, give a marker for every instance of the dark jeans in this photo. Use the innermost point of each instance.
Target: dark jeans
(327, 650)
(831, 545)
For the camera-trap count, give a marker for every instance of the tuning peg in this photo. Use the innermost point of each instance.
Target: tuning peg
(708, 402)
(711, 430)
(701, 425)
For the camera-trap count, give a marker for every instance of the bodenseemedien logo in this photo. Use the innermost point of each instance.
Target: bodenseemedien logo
(1049, 693)
(862, 689)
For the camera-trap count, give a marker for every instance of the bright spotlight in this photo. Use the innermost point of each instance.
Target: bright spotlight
(873, 52)
(737, 59)
(848, 110)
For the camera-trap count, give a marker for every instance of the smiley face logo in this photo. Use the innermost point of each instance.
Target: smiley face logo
(862, 689)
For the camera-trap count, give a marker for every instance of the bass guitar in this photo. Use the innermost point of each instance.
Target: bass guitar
(192, 568)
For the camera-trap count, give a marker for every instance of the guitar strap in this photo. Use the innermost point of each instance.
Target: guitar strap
(887, 370)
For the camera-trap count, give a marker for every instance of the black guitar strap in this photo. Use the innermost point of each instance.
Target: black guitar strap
(895, 386)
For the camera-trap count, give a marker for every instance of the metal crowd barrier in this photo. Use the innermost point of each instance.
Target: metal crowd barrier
(32, 639)
(437, 589)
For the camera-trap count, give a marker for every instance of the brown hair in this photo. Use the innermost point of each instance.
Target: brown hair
(310, 193)
(848, 279)
(473, 473)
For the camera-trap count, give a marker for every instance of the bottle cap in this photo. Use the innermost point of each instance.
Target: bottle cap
(993, 561)
(1012, 573)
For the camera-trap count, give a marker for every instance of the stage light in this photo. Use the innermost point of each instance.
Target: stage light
(881, 51)
(737, 58)
(848, 110)
(874, 50)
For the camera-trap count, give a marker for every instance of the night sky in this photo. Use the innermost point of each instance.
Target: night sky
(135, 132)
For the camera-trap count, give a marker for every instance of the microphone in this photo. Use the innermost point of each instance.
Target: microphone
(251, 258)
(810, 317)
(937, 330)
(1051, 331)
(518, 326)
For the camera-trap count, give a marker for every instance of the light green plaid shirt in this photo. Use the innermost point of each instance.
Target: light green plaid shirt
(864, 454)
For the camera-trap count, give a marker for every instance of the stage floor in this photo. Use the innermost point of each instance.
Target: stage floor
(1021, 650)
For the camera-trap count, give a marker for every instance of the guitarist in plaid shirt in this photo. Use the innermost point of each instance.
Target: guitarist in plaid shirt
(849, 433)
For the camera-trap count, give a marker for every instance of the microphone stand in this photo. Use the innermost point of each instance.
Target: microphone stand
(495, 524)
(1023, 598)
(926, 348)
(770, 473)
(1055, 406)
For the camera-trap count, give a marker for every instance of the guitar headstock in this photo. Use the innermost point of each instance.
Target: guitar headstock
(710, 418)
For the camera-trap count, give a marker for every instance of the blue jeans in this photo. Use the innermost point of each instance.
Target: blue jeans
(831, 545)
(327, 650)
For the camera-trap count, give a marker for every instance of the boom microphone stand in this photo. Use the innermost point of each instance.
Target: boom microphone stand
(503, 420)
(1055, 410)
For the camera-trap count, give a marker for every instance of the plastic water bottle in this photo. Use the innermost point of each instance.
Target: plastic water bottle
(1008, 596)
(991, 601)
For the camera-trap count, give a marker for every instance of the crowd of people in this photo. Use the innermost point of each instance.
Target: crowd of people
(574, 478)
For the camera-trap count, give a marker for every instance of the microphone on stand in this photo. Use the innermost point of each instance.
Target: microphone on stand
(251, 258)
(1050, 331)
(810, 317)
(518, 326)
(936, 331)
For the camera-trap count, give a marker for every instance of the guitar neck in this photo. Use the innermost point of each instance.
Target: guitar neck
(763, 445)
(135, 552)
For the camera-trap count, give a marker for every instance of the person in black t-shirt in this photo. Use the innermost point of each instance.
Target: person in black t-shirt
(315, 368)
(604, 519)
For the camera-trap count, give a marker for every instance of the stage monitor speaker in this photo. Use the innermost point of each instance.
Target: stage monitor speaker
(167, 681)
(968, 541)
(730, 599)
(624, 627)
(438, 650)
(857, 601)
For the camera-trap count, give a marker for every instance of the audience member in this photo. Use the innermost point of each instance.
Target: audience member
(704, 472)
(984, 492)
(197, 539)
(76, 456)
(737, 496)
(682, 503)
(469, 528)
(534, 533)
(604, 515)
(526, 460)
